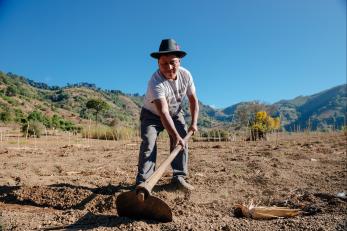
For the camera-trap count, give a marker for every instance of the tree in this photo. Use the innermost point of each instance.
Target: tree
(262, 124)
(98, 105)
(245, 113)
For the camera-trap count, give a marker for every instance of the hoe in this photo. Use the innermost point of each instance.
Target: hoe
(140, 204)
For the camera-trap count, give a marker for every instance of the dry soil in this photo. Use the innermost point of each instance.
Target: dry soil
(64, 182)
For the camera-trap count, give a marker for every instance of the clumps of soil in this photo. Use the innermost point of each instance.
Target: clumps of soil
(42, 196)
(312, 203)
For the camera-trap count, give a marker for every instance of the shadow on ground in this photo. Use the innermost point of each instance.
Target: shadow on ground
(91, 221)
(58, 196)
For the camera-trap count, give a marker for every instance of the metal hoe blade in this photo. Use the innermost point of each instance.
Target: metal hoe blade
(152, 208)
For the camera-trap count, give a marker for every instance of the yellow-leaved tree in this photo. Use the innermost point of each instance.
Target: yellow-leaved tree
(263, 124)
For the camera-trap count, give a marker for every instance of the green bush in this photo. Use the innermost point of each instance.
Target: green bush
(6, 116)
(11, 91)
(215, 133)
(204, 122)
(55, 121)
(18, 115)
(38, 116)
(65, 125)
(59, 96)
(32, 128)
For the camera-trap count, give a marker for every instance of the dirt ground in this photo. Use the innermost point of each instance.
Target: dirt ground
(64, 182)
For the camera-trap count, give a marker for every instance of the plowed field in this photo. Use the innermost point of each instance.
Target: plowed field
(64, 182)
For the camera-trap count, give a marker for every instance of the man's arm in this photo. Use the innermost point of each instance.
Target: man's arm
(194, 112)
(167, 121)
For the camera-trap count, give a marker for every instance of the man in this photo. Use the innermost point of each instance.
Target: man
(162, 109)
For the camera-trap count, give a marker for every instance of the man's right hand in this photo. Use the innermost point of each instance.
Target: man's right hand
(193, 128)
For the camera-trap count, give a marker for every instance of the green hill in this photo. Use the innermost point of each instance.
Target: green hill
(20, 96)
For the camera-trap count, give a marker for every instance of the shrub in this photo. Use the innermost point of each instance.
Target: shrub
(11, 91)
(54, 122)
(18, 115)
(38, 116)
(32, 128)
(215, 134)
(204, 122)
(59, 96)
(58, 122)
(6, 116)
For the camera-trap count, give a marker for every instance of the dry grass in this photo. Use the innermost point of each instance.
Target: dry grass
(109, 133)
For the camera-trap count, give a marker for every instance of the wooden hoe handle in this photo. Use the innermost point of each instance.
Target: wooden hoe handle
(144, 189)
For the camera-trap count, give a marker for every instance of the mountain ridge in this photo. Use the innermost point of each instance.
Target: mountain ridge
(20, 95)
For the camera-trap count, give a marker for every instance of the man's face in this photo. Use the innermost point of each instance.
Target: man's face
(168, 66)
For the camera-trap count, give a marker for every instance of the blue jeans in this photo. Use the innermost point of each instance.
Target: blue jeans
(151, 126)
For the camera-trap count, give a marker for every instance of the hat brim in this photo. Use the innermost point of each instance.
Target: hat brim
(180, 54)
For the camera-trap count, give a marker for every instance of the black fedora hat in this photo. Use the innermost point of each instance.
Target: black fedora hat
(168, 46)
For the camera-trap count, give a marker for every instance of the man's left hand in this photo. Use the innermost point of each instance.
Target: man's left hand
(193, 128)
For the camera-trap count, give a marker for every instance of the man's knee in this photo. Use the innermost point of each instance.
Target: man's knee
(148, 135)
(148, 142)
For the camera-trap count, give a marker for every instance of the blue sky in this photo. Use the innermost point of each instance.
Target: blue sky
(238, 50)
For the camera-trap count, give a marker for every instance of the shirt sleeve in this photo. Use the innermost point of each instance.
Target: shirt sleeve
(155, 90)
(158, 92)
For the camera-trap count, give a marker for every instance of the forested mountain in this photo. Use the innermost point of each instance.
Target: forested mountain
(318, 111)
(323, 110)
(20, 96)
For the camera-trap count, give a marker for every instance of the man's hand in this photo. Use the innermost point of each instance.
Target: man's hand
(194, 111)
(179, 141)
(193, 128)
